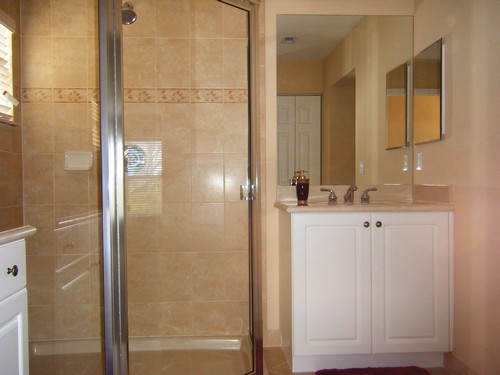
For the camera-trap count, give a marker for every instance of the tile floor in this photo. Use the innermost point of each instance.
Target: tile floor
(275, 364)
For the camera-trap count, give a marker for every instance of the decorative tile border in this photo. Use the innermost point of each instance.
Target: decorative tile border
(206, 96)
(139, 95)
(36, 95)
(174, 95)
(70, 95)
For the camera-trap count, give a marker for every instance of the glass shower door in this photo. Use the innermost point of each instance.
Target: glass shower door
(187, 139)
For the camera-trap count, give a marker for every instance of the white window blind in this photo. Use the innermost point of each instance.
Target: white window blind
(6, 82)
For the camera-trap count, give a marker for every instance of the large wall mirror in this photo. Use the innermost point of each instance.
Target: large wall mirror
(344, 60)
(427, 94)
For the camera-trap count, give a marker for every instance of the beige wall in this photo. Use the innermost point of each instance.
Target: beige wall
(300, 77)
(467, 159)
(270, 238)
(11, 198)
(185, 86)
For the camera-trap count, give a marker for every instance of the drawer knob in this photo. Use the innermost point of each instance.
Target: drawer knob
(378, 224)
(14, 270)
(366, 224)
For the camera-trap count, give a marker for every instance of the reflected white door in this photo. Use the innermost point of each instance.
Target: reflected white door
(299, 137)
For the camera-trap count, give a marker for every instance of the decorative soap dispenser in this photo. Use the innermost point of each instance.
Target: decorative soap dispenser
(302, 188)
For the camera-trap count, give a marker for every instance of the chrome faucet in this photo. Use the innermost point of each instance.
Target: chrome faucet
(365, 198)
(332, 198)
(349, 195)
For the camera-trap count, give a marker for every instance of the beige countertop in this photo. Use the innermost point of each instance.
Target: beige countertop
(380, 206)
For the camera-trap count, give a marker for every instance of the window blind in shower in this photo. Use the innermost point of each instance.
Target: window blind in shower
(7, 100)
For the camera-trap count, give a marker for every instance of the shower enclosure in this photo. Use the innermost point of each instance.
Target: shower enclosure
(167, 112)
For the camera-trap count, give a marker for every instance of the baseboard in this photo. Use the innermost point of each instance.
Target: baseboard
(456, 366)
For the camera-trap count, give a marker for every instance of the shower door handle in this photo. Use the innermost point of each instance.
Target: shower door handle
(247, 192)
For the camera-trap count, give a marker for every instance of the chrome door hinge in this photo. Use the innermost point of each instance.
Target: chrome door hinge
(247, 192)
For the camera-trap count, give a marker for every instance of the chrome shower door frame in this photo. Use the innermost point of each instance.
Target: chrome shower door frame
(113, 196)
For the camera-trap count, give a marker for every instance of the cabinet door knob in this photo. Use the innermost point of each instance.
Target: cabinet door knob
(378, 224)
(366, 224)
(14, 270)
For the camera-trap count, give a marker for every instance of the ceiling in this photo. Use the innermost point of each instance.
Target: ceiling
(315, 35)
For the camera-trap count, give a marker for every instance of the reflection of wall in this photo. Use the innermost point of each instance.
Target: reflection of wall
(11, 200)
(300, 77)
(338, 162)
(374, 47)
(467, 159)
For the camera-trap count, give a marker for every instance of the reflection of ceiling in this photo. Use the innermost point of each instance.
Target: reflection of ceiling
(315, 36)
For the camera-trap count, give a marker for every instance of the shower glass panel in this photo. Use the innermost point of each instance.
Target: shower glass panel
(186, 133)
(61, 152)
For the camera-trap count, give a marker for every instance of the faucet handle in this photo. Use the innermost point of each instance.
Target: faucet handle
(365, 198)
(332, 198)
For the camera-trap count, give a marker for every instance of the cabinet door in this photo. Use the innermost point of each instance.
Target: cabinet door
(410, 282)
(331, 284)
(14, 334)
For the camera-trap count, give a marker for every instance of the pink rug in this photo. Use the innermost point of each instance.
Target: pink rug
(376, 371)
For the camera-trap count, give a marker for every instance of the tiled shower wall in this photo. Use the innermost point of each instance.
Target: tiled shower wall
(11, 199)
(185, 85)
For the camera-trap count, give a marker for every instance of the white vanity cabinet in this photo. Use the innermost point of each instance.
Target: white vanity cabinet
(13, 309)
(366, 288)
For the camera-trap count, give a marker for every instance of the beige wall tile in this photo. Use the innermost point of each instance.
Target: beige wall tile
(36, 64)
(139, 62)
(92, 17)
(41, 322)
(38, 128)
(175, 318)
(175, 228)
(235, 123)
(234, 20)
(236, 229)
(208, 226)
(142, 275)
(236, 282)
(92, 62)
(205, 19)
(237, 318)
(209, 318)
(172, 62)
(136, 228)
(71, 187)
(208, 178)
(235, 174)
(41, 280)
(140, 121)
(36, 18)
(69, 61)
(207, 128)
(176, 178)
(72, 279)
(38, 179)
(143, 319)
(41, 217)
(71, 132)
(96, 315)
(175, 276)
(69, 17)
(235, 63)
(73, 321)
(206, 68)
(174, 127)
(209, 276)
(172, 18)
